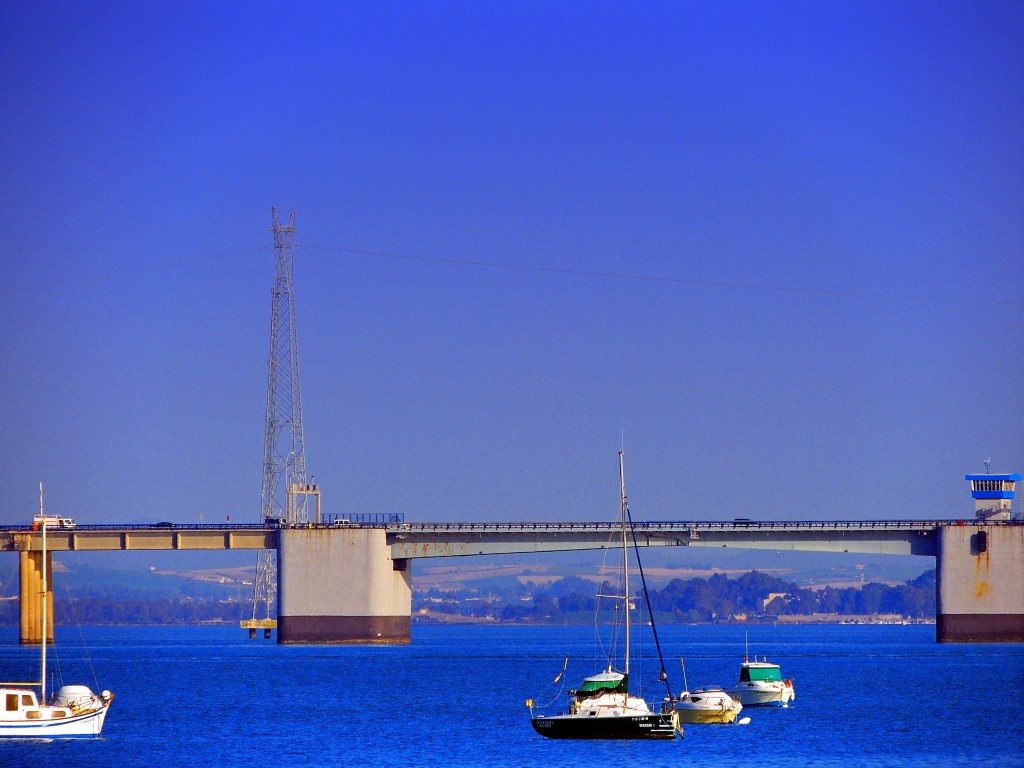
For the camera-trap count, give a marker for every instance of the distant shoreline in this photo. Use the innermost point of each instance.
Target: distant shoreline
(838, 619)
(454, 620)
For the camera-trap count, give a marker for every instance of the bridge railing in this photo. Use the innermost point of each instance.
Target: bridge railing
(396, 520)
(676, 525)
(140, 527)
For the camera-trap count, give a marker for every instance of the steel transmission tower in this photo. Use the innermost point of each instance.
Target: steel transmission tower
(285, 490)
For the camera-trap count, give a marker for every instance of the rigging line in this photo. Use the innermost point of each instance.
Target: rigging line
(643, 581)
(663, 279)
(10, 290)
(73, 610)
(561, 687)
(608, 653)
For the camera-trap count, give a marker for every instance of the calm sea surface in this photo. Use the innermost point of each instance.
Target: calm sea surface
(208, 696)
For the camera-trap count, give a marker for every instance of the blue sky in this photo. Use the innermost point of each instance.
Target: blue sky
(829, 198)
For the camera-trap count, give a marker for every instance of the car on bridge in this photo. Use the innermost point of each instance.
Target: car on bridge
(52, 521)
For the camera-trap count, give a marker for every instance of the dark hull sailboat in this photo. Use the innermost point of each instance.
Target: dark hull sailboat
(602, 707)
(653, 725)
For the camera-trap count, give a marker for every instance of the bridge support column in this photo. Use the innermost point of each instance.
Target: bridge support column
(31, 596)
(980, 583)
(340, 585)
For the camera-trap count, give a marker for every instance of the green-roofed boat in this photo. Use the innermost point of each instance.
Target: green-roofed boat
(761, 685)
(602, 707)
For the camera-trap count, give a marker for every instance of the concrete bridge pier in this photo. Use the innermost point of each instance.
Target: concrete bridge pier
(340, 585)
(31, 596)
(980, 584)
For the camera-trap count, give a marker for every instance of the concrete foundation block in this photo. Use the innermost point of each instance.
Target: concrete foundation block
(980, 582)
(340, 585)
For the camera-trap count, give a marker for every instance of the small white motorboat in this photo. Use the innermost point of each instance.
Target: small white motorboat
(706, 706)
(761, 685)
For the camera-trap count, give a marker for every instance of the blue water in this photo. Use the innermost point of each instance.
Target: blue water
(208, 696)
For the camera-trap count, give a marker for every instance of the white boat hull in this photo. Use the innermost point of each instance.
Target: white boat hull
(85, 725)
(762, 694)
(707, 716)
(707, 708)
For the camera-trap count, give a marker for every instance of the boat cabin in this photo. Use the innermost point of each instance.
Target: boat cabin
(759, 671)
(16, 700)
(18, 704)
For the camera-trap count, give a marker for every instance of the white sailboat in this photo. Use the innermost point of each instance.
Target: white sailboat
(74, 712)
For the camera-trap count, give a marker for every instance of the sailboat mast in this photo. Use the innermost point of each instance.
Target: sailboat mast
(625, 556)
(42, 645)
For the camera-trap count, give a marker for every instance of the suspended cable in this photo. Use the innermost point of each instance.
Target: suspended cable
(659, 278)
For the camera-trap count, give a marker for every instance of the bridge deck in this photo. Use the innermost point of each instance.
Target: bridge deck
(416, 540)
(896, 537)
(99, 538)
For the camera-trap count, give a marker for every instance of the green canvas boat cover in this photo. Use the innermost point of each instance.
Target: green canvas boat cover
(604, 683)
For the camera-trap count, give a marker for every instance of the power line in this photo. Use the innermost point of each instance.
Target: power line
(172, 263)
(661, 278)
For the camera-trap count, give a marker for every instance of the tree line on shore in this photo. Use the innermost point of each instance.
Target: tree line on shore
(571, 599)
(697, 600)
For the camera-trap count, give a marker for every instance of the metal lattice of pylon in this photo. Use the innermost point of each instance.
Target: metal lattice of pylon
(284, 457)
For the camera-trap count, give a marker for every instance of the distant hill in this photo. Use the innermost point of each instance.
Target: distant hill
(478, 591)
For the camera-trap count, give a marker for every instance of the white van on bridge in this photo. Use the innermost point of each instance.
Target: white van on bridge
(53, 521)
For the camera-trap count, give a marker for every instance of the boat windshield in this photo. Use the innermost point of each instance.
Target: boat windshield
(748, 674)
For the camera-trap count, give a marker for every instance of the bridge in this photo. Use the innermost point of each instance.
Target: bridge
(368, 597)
